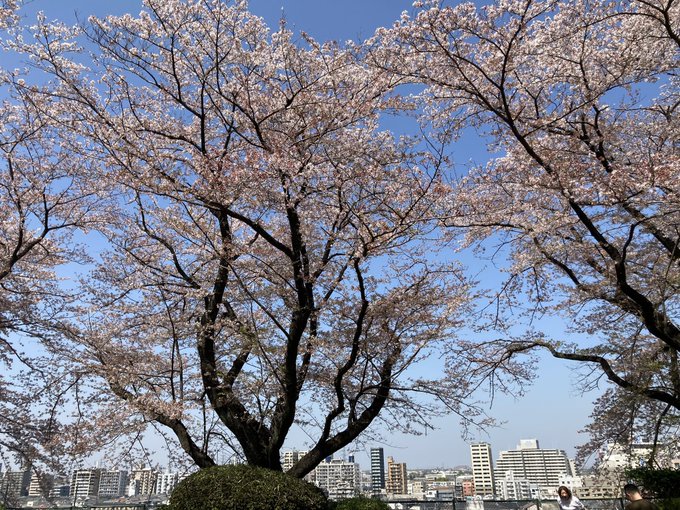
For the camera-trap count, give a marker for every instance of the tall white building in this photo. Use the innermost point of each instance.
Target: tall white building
(290, 458)
(542, 467)
(84, 483)
(482, 469)
(166, 482)
(339, 478)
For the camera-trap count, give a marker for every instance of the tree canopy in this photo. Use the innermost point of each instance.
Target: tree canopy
(249, 249)
(263, 257)
(581, 101)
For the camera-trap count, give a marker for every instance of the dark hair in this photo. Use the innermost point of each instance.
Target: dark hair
(630, 488)
(563, 488)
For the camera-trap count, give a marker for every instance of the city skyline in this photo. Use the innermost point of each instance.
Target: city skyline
(527, 472)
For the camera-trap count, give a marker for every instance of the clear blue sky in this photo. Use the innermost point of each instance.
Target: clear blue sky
(552, 411)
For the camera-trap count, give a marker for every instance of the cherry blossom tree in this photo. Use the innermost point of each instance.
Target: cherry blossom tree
(268, 262)
(42, 206)
(581, 100)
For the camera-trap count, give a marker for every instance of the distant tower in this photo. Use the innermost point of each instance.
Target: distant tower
(377, 469)
(482, 469)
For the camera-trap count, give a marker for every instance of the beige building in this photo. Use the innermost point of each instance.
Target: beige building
(142, 482)
(396, 479)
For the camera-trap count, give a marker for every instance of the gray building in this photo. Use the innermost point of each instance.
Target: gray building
(112, 483)
(377, 469)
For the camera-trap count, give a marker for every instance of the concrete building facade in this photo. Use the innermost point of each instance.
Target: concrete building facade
(396, 478)
(112, 483)
(85, 483)
(482, 469)
(340, 479)
(377, 469)
(541, 467)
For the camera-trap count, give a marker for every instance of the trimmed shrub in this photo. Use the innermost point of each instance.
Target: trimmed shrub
(659, 483)
(360, 503)
(245, 488)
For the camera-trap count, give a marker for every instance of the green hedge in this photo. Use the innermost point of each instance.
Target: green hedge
(661, 483)
(245, 488)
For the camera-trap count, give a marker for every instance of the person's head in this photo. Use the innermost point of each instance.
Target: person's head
(563, 492)
(631, 491)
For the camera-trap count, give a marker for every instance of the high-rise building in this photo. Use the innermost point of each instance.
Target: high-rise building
(396, 480)
(482, 469)
(290, 458)
(84, 483)
(112, 483)
(41, 484)
(166, 482)
(338, 478)
(377, 469)
(15, 484)
(541, 467)
(142, 482)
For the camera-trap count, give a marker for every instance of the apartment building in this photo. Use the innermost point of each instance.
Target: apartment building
(85, 483)
(377, 469)
(482, 469)
(340, 479)
(112, 483)
(396, 479)
(541, 467)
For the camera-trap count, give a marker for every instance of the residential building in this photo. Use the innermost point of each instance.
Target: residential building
(482, 469)
(290, 458)
(15, 484)
(142, 481)
(40, 485)
(541, 467)
(618, 457)
(417, 488)
(396, 480)
(84, 483)
(511, 487)
(166, 482)
(338, 478)
(377, 469)
(112, 483)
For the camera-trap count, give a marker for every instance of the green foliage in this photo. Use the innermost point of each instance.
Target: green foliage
(659, 483)
(245, 488)
(668, 504)
(360, 503)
